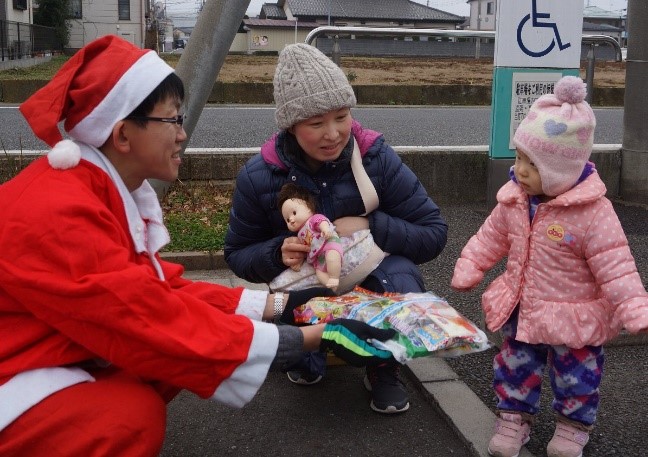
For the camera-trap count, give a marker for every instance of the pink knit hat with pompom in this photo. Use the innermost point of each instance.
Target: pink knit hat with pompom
(557, 135)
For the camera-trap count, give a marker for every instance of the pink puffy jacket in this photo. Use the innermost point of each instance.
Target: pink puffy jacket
(570, 270)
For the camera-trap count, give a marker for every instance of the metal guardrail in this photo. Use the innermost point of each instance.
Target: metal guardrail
(337, 32)
(592, 41)
(395, 31)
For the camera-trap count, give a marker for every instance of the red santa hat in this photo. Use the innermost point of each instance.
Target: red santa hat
(100, 85)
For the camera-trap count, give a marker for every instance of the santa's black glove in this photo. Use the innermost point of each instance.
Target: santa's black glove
(349, 340)
(299, 297)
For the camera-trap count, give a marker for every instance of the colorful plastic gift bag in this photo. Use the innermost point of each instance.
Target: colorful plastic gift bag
(426, 324)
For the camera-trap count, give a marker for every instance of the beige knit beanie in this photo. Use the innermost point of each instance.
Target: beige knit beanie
(307, 84)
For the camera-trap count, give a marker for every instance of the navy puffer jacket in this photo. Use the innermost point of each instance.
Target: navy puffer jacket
(407, 223)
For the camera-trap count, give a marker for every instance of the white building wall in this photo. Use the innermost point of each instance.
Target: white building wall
(24, 16)
(101, 18)
(240, 43)
(272, 39)
(482, 14)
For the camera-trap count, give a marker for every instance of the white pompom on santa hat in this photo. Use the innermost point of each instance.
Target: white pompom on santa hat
(99, 86)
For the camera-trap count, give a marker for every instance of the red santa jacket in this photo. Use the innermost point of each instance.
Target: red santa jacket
(73, 288)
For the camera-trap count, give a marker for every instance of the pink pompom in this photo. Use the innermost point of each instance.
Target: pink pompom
(570, 89)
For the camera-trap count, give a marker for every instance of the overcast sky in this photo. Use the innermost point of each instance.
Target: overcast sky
(187, 9)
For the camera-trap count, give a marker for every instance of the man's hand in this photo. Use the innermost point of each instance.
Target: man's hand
(299, 297)
(349, 340)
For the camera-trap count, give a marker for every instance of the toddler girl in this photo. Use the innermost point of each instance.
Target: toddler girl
(570, 283)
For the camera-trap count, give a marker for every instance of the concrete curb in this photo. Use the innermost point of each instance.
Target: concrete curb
(458, 404)
(197, 260)
(17, 91)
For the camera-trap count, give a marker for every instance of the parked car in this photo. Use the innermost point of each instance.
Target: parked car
(179, 43)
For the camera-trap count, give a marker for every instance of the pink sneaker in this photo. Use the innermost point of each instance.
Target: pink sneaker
(511, 433)
(568, 441)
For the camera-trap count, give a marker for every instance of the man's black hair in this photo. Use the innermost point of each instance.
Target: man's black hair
(171, 86)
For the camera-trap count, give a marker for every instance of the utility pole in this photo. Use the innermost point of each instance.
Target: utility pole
(634, 150)
(205, 53)
(329, 12)
(478, 40)
(203, 58)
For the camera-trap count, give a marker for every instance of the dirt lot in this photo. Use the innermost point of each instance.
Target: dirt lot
(365, 70)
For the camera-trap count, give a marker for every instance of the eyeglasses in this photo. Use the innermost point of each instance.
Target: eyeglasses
(178, 120)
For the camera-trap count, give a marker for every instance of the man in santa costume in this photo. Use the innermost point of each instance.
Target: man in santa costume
(97, 332)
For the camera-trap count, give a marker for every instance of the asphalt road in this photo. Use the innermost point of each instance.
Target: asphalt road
(238, 126)
(330, 419)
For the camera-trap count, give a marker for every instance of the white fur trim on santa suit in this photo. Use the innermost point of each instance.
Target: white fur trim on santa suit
(252, 304)
(139, 205)
(30, 387)
(245, 381)
(131, 90)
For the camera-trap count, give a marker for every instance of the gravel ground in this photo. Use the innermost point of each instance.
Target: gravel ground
(622, 419)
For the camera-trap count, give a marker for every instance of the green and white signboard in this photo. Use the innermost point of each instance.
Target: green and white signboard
(537, 42)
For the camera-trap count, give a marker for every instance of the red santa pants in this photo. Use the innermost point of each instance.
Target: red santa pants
(117, 415)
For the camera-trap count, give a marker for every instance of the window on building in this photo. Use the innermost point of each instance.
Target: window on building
(490, 8)
(74, 9)
(123, 7)
(20, 4)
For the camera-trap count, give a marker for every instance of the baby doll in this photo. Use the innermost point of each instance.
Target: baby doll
(315, 230)
(570, 282)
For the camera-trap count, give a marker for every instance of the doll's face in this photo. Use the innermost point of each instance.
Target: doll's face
(295, 212)
(527, 174)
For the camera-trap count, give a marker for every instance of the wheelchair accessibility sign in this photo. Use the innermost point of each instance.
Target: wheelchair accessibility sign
(541, 33)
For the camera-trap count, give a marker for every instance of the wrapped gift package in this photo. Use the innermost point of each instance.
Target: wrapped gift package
(425, 323)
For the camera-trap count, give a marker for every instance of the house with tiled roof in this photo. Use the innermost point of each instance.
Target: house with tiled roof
(370, 13)
(604, 22)
(593, 28)
(288, 21)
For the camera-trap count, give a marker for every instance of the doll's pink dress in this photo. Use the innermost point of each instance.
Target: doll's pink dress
(311, 235)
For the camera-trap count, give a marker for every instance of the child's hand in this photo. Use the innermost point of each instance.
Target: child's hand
(638, 325)
(462, 289)
(636, 317)
(466, 275)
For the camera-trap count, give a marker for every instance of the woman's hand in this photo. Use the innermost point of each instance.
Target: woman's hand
(293, 252)
(348, 225)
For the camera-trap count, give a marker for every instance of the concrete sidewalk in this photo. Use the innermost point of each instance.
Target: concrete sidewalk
(458, 390)
(453, 401)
